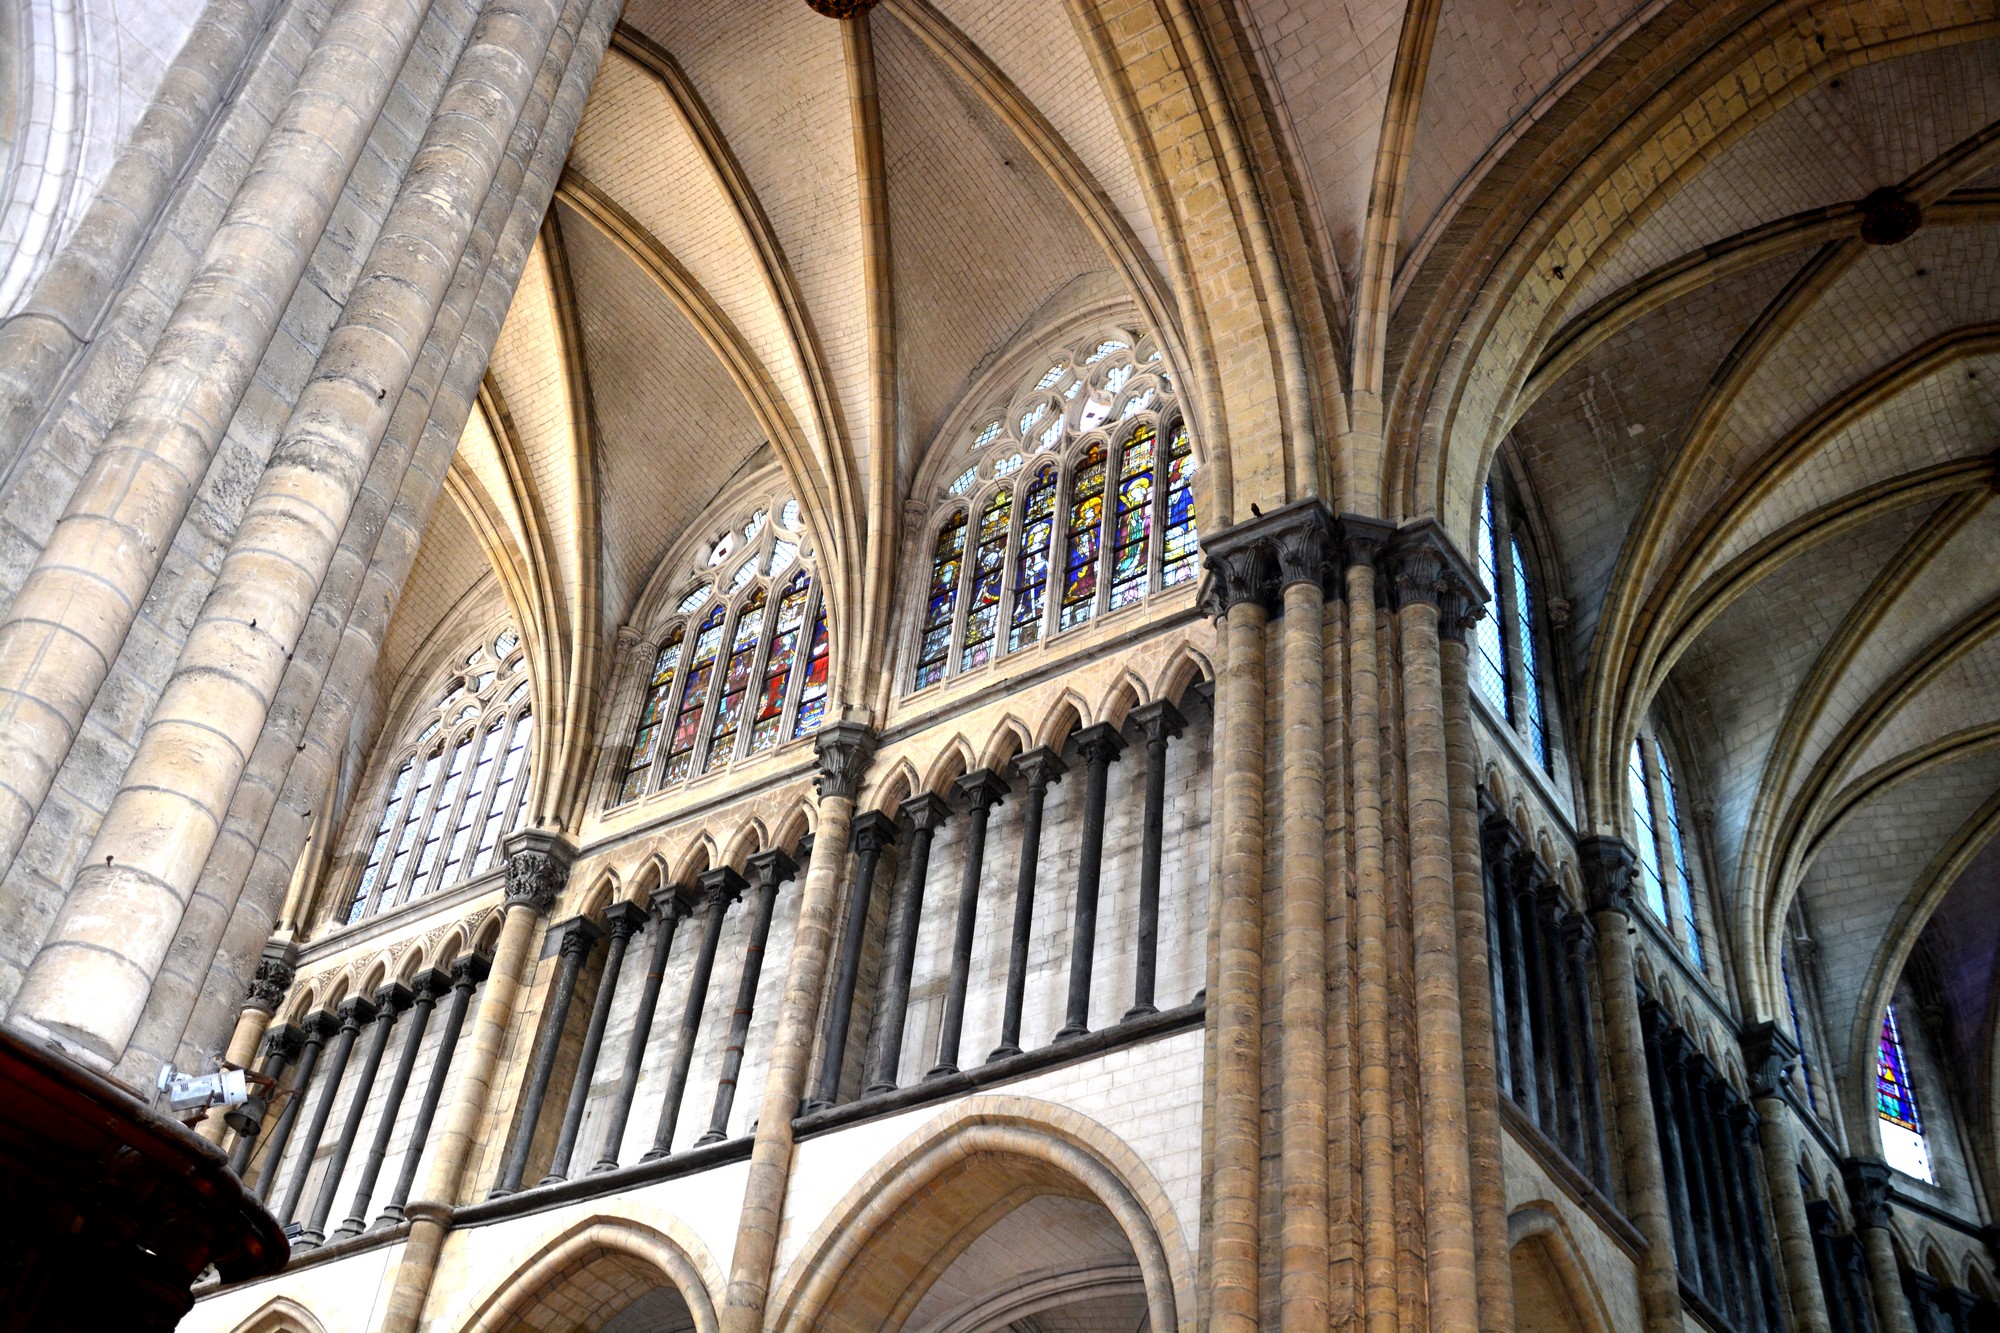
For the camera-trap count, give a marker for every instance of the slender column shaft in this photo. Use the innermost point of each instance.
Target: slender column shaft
(770, 868)
(78, 602)
(1732, 1242)
(1744, 1128)
(1500, 983)
(1040, 767)
(466, 974)
(1885, 1281)
(719, 888)
(844, 749)
(1528, 879)
(318, 1027)
(1829, 1282)
(1608, 866)
(670, 909)
(1698, 1159)
(353, 1014)
(1424, 591)
(1578, 941)
(872, 832)
(1476, 986)
(1303, 1297)
(1503, 850)
(578, 938)
(983, 789)
(1769, 1053)
(1562, 1027)
(624, 920)
(1376, 1149)
(1673, 1158)
(1236, 1167)
(281, 1047)
(1099, 745)
(537, 871)
(926, 814)
(1160, 722)
(390, 1001)
(208, 719)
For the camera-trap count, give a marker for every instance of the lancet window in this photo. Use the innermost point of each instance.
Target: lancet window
(1903, 1143)
(741, 665)
(1667, 874)
(457, 785)
(1507, 658)
(1085, 476)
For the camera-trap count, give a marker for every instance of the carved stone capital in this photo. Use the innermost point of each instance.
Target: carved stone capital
(1608, 865)
(1158, 720)
(393, 999)
(773, 867)
(538, 863)
(721, 886)
(354, 1012)
(1040, 766)
(844, 749)
(1579, 936)
(470, 970)
(579, 936)
(1769, 1054)
(1099, 743)
(926, 812)
(1867, 1190)
(624, 920)
(1257, 559)
(1424, 566)
(873, 831)
(982, 788)
(431, 984)
(320, 1024)
(674, 902)
(273, 979)
(283, 1043)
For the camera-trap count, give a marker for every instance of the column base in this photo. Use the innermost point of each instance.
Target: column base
(713, 1136)
(353, 1226)
(499, 1192)
(1139, 1011)
(875, 1089)
(307, 1239)
(550, 1179)
(816, 1104)
(1071, 1031)
(391, 1216)
(940, 1070)
(601, 1165)
(1006, 1050)
(655, 1154)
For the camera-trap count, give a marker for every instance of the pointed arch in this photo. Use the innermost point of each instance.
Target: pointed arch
(1008, 739)
(894, 787)
(696, 857)
(281, 1314)
(1126, 693)
(1548, 1264)
(956, 758)
(1067, 714)
(748, 839)
(604, 890)
(669, 1248)
(949, 1176)
(1186, 668)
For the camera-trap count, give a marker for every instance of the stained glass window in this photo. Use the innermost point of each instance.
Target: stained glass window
(1031, 565)
(1640, 792)
(1690, 924)
(1489, 663)
(1531, 671)
(652, 714)
(778, 663)
(812, 694)
(736, 680)
(1085, 532)
(694, 695)
(1182, 556)
(1903, 1145)
(947, 562)
(444, 784)
(989, 563)
(1132, 521)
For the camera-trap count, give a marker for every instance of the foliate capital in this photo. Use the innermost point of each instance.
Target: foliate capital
(1770, 1055)
(1867, 1190)
(1158, 721)
(1257, 559)
(283, 1043)
(721, 887)
(470, 970)
(393, 999)
(1040, 766)
(579, 936)
(1607, 865)
(1424, 566)
(431, 984)
(273, 979)
(320, 1024)
(844, 749)
(926, 812)
(773, 867)
(1099, 743)
(625, 919)
(355, 1012)
(538, 863)
(983, 788)
(873, 831)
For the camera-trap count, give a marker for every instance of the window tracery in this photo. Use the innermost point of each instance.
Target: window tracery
(1068, 478)
(461, 773)
(741, 665)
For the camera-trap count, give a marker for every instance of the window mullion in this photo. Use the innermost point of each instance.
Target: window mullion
(1107, 508)
(795, 675)
(753, 683)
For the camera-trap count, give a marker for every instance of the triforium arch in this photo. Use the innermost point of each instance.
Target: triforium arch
(592, 1271)
(927, 1203)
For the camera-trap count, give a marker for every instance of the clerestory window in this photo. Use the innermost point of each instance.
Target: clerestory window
(1666, 870)
(1903, 1143)
(1507, 656)
(458, 786)
(1071, 500)
(741, 665)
